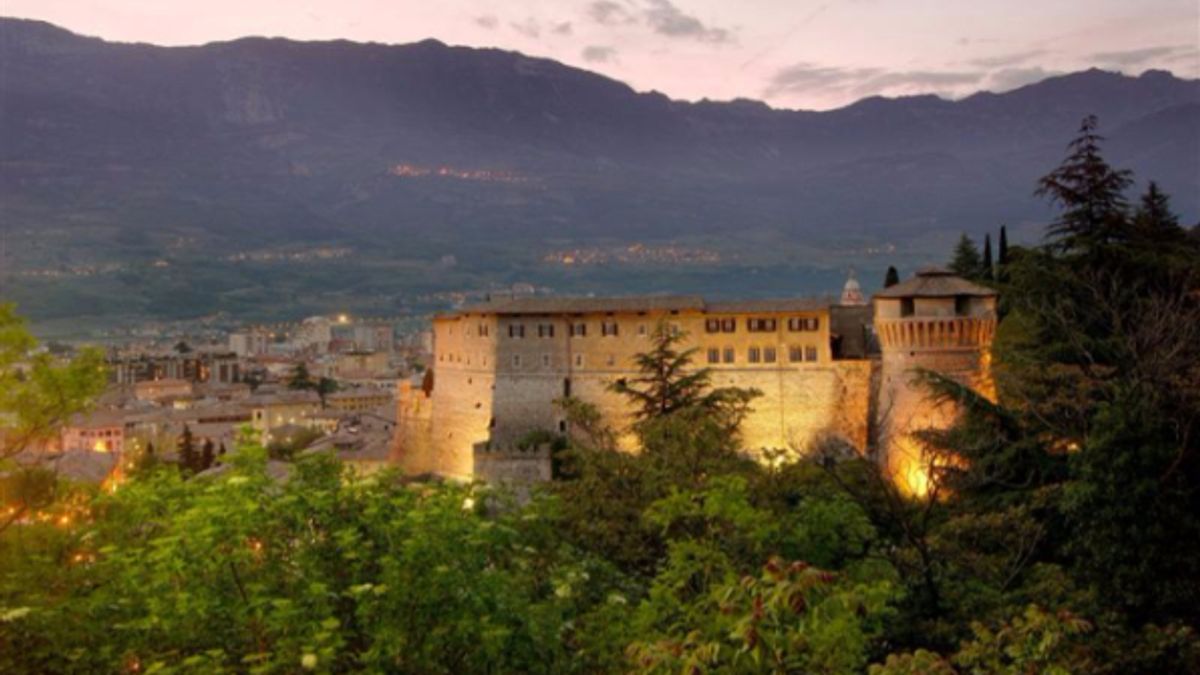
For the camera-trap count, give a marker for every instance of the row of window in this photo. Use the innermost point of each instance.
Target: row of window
(762, 325)
(546, 330)
(796, 354)
(716, 355)
(612, 328)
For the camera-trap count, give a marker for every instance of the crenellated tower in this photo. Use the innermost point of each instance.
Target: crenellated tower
(934, 321)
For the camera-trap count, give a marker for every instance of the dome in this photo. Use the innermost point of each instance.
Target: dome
(852, 292)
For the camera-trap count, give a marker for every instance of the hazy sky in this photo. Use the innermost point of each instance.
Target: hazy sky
(793, 53)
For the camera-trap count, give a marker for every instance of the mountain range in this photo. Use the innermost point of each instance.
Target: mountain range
(121, 155)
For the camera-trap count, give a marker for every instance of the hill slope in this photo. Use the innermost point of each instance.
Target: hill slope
(114, 153)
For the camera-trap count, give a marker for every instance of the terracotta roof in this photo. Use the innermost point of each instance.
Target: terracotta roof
(646, 303)
(932, 282)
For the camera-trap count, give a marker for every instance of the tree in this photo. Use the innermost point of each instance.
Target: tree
(966, 262)
(324, 387)
(668, 384)
(38, 395)
(986, 268)
(189, 460)
(1090, 193)
(1154, 222)
(1002, 258)
(182, 347)
(300, 378)
(207, 455)
(891, 278)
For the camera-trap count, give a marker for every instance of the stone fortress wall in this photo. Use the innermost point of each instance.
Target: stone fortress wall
(499, 367)
(499, 370)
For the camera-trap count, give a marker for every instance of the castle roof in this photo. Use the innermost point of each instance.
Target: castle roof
(935, 282)
(645, 303)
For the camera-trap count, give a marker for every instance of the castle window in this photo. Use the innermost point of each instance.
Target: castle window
(714, 355)
(712, 325)
(906, 307)
(483, 330)
(795, 354)
(516, 360)
(516, 330)
(810, 353)
(546, 360)
(769, 355)
(579, 329)
(545, 330)
(760, 325)
(579, 360)
(566, 387)
(797, 324)
(611, 360)
(728, 325)
(608, 328)
(641, 329)
(754, 355)
(673, 330)
(729, 355)
(961, 304)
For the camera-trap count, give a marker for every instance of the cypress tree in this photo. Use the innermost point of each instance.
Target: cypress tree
(207, 455)
(1002, 253)
(891, 278)
(985, 270)
(187, 452)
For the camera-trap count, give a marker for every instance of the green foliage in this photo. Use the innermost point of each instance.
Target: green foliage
(891, 278)
(790, 618)
(39, 393)
(243, 574)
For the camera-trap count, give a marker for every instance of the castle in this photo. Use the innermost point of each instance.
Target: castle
(827, 370)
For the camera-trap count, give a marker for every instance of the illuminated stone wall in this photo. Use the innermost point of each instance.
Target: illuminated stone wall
(496, 378)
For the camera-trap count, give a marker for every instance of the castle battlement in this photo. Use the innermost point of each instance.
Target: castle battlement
(936, 333)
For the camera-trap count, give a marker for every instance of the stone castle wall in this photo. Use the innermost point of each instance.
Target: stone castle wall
(492, 386)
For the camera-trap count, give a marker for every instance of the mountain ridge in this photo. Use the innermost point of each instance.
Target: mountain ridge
(134, 153)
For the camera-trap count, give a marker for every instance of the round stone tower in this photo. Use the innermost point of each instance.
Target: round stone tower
(934, 321)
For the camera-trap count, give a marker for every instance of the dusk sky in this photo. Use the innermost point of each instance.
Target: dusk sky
(791, 53)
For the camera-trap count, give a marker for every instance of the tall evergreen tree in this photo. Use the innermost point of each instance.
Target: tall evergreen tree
(966, 262)
(986, 269)
(188, 458)
(1002, 251)
(1090, 193)
(207, 455)
(1154, 223)
(891, 278)
(668, 383)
